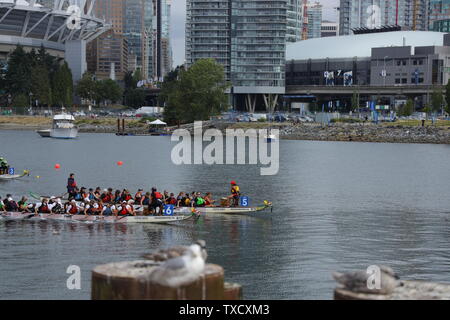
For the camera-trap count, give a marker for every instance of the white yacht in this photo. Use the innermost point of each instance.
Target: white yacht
(63, 127)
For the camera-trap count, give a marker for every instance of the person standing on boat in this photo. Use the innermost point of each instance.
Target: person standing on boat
(71, 185)
(235, 193)
(3, 166)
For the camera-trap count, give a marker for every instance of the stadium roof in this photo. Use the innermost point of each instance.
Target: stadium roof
(21, 19)
(359, 45)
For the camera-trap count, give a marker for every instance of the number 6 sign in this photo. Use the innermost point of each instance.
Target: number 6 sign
(168, 210)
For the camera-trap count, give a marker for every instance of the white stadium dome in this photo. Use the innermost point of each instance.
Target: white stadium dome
(359, 45)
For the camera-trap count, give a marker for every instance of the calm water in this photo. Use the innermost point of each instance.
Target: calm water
(337, 206)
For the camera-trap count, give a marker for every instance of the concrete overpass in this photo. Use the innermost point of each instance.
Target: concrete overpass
(347, 91)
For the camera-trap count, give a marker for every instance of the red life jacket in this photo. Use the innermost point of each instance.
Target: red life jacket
(158, 195)
(124, 210)
(44, 209)
(107, 198)
(128, 197)
(73, 209)
(173, 201)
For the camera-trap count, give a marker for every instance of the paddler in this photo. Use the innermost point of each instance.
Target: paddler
(235, 193)
(199, 201)
(2, 206)
(3, 166)
(71, 185)
(42, 207)
(72, 208)
(209, 202)
(23, 205)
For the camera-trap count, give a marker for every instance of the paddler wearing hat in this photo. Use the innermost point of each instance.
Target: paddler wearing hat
(235, 193)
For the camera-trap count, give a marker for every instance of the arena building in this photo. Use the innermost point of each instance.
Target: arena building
(62, 26)
(385, 66)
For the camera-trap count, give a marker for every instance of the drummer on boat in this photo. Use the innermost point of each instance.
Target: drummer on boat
(235, 194)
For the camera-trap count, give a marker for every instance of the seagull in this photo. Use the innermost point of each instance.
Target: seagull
(174, 252)
(179, 270)
(357, 281)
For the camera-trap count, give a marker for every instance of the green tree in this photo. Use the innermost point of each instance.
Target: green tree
(135, 98)
(407, 109)
(197, 93)
(86, 87)
(40, 85)
(355, 101)
(21, 101)
(17, 78)
(108, 91)
(63, 86)
(437, 100)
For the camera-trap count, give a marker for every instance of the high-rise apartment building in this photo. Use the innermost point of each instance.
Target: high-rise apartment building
(314, 11)
(294, 20)
(110, 50)
(371, 14)
(439, 15)
(248, 38)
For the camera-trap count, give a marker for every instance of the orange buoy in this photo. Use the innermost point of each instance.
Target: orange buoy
(57, 166)
(119, 163)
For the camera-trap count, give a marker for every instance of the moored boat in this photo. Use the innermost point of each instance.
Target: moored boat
(63, 127)
(83, 218)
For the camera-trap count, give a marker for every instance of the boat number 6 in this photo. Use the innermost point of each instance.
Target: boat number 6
(168, 210)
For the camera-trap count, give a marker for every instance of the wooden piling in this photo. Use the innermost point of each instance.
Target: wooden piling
(233, 291)
(130, 281)
(123, 125)
(118, 125)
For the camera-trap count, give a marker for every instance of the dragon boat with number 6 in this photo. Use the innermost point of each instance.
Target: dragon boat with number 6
(83, 218)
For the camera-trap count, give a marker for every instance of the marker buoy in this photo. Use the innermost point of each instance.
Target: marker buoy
(57, 166)
(119, 163)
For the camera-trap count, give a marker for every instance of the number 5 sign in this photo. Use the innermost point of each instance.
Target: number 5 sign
(244, 202)
(168, 210)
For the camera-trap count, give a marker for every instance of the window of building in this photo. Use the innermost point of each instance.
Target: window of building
(397, 80)
(404, 80)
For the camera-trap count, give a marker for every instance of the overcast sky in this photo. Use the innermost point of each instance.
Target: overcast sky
(179, 20)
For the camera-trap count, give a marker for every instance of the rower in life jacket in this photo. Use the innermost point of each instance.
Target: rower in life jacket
(235, 193)
(4, 168)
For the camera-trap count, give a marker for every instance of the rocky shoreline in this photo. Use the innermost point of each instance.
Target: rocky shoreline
(368, 133)
(357, 132)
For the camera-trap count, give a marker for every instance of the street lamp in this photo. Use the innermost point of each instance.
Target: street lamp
(384, 71)
(31, 107)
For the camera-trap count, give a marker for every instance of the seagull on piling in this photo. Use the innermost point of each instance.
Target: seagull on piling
(180, 270)
(357, 281)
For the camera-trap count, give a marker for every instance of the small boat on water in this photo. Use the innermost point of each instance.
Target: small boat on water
(100, 219)
(14, 176)
(63, 127)
(225, 210)
(45, 133)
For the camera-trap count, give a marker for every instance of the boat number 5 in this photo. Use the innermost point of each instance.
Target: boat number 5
(11, 171)
(168, 210)
(244, 201)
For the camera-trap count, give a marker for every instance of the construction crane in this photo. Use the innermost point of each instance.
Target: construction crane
(305, 20)
(415, 5)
